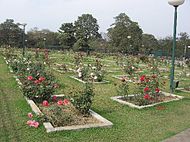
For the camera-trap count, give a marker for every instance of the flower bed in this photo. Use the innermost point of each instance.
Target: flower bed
(80, 80)
(81, 122)
(126, 77)
(131, 102)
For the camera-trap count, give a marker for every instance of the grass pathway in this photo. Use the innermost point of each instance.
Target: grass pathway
(8, 127)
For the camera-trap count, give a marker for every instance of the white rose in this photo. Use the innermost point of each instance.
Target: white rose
(92, 74)
(78, 70)
(93, 68)
(95, 77)
(80, 74)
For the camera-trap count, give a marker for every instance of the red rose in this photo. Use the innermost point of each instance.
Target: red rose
(66, 101)
(60, 102)
(146, 89)
(157, 90)
(41, 79)
(30, 77)
(54, 98)
(142, 78)
(45, 103)
(147, 97)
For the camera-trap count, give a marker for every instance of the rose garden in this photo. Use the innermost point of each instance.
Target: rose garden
(112, 91)
(79, 85)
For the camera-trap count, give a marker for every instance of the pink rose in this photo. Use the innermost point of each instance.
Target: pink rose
(30, 115)
(60, 102)
(29, 122)
(36, 81)
(30, 77)
(66, 101)
(45, 103)
(35, 124)
(41, 79)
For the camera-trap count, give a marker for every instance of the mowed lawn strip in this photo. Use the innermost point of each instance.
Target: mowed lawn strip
(148, 125)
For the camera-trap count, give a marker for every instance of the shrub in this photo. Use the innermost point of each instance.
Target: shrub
(92, 72)
(38, 84)
(82, 100)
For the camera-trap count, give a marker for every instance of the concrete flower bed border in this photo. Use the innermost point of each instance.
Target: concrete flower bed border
(118, 99)
(50, 128)
(102, 82)
(182, 89)
(119, 77)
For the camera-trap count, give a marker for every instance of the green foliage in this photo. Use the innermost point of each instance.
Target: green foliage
(149, 43)
(10, 33)
(86, 28)
(41, 38)
(123, 89)
(66, 34)
(37, 83)
(125, 35)
(83, 99)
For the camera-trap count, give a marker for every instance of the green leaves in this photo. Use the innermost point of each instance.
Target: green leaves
(125, 35)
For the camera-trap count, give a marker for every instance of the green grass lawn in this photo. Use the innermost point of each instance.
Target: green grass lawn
(130, 125)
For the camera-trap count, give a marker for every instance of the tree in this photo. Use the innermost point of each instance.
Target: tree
(41, 38)
(10, 33)
(125, 35)
(165, 45)
(149, 43)
(67, 34)
(86, 29)
(182, 43)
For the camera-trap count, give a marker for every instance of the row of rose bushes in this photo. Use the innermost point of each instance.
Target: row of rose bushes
(39, 85)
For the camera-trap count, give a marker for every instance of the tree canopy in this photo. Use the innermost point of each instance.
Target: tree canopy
(125, 35)
(10, 33)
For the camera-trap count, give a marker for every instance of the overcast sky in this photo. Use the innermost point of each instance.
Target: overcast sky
(154, 16)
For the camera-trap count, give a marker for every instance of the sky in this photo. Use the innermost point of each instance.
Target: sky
(153, 16)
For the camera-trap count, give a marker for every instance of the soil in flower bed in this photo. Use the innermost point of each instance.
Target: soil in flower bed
(135, 100)
(66, 115)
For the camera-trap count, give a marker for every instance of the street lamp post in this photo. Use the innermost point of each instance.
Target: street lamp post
(23, 38)
(174, 3)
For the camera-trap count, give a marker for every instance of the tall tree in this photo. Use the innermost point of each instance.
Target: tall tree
(10, 33)
(67, 34)
(86, 28)
(149, 43)
(125, 35)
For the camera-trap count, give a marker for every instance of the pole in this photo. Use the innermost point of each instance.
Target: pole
(173, 52)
